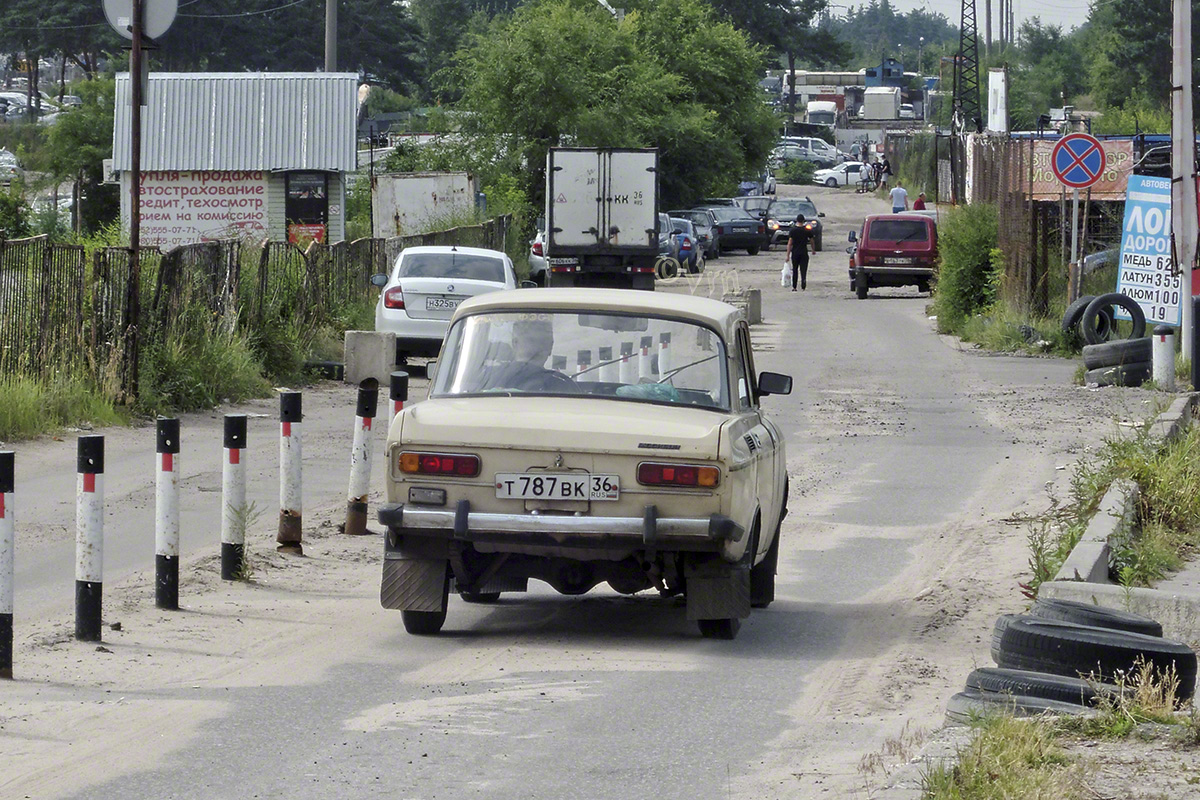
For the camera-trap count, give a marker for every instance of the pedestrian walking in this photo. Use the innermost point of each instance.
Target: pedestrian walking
(899, 199)
(919, 203)
(800, 240)
(885, 172)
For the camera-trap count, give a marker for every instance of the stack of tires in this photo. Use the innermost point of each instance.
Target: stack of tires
(1066, 657)
(1121, 362)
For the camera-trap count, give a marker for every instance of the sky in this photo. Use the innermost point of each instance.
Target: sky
(1067, 13)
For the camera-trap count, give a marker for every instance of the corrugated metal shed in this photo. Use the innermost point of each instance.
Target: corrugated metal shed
(242, 121)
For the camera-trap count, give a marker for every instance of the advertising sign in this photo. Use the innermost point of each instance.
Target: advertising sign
(1111, 185)
(1145, 272)
(180, 207)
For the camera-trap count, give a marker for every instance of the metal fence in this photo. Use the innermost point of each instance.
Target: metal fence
(61, 310)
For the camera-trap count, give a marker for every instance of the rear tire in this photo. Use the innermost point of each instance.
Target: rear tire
(482, 598)
(752, 251)
(860, 288)
(428, 623)
(726, 629)
(762, 576)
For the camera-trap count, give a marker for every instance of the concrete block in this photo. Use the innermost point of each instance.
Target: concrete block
(1178, 614)
(749, 301)
(369, 354)
(1087, 562)
(1116, 514)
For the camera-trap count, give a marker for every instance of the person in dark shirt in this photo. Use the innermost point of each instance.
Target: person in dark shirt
(800, 239)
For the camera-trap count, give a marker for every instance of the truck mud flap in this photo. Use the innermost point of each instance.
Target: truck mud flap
(411, 584)
(717, 589)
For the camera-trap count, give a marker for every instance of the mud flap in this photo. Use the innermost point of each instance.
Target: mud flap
(717, 589)
(411, 584)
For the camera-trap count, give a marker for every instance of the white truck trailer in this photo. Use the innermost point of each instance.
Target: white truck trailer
(881, 102)
(405, 203)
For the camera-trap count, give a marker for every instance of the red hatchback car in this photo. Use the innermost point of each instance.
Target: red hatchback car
(893, 250)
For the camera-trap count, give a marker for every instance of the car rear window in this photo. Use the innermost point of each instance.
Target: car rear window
(898, 230)
(724, 213)
(452, 265)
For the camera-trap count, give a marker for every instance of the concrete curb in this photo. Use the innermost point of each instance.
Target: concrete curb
(940, 751)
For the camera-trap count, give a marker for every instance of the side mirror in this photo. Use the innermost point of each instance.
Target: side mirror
(529, 284)
(774, 383)
(850, 250)
(379, 280)
(853, 236)
(820, 213)
(431, 371)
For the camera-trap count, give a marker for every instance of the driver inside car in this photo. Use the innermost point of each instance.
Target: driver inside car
(532, 344)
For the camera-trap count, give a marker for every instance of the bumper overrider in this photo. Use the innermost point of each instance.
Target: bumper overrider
(700, 534)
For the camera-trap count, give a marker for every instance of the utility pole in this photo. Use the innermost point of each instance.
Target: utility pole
(966, 77)
(1183, 165)
(331, 35)
(136, 55)
(987, 29)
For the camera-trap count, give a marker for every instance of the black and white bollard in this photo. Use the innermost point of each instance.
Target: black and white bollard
(233, 499)
(664, 355)
(1163, 357)
(646, 359)
(583, 366)
(628, 367)
(610, 371)
(8, 546)
(398, 393)
(166, 515)
(89, 538)
(360, 461)
(291, 474)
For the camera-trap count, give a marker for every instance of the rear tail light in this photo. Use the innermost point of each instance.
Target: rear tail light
(761, 229)
(537, 248)
(652, 474)
(393, 298)
(449, 464)
(718, 230)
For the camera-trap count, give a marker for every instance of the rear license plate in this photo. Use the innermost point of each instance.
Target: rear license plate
(546, 486)
(900, 261)
(441, 304)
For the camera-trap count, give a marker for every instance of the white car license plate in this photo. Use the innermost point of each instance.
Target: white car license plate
(557, 486)
(441, 304)
(897, 261)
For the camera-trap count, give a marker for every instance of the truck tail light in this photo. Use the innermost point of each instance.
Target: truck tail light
(653, 474)
(393, 298)
(537, 248)
(719, 230)
(451, 464)
(761, 229)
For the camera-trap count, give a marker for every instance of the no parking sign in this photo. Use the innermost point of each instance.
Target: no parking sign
(1078, 160)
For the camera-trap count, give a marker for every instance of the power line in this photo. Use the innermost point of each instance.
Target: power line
(244, 13)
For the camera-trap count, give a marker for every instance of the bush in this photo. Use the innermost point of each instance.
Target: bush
(32, 406)
(968, 274)
(796, 172)
(200, 370)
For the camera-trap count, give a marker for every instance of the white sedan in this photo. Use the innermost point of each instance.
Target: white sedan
(844, 174)
(427, 284)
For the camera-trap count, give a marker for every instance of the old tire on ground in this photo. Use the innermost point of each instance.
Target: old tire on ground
(1134, 374)
(719, 628)
(479, 597)
(762, 576)
(1063, 648)
(1096, 616)
(967, 706)
(1088, 322)
(997, 680)
(752, 251)
(427, 623)
(1115, 354)
(1074, 312)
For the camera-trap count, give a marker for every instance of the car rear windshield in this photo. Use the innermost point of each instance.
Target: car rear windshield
(898, 230)
(451, 265)
(723, 213)
(563, 353)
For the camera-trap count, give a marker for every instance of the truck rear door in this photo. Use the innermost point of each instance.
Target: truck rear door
(575, 193)
(630, 197)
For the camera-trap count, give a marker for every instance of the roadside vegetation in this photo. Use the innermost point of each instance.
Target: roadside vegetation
(1168, 508)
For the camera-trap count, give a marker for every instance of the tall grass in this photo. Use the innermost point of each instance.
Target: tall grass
(1007, 758)
(30, 406)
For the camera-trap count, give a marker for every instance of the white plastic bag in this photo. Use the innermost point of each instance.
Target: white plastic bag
(785, 275)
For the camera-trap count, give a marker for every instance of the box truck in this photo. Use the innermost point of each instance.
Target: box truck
(881, 102)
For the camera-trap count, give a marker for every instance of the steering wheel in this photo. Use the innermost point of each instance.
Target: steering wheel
(556, 381)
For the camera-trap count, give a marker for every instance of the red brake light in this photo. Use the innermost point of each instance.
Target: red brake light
(652, 474)
(719, 229)
(456, 464)
(537, 248)
(393, 298)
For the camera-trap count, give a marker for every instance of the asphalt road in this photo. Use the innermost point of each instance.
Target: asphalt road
(894, 452)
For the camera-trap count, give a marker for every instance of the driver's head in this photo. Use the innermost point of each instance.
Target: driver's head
(533, 340)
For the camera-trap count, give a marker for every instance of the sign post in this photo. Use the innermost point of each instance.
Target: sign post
(1078, 162)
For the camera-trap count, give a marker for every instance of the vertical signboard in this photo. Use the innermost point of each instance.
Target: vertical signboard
(1146, 274)
(182, 207)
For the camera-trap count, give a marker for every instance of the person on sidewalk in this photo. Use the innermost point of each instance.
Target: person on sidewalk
(800, 239)
(885, 172)
(899, 199)
(919, 203)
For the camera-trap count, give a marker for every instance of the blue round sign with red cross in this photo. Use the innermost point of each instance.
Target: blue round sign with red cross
(1077, 160)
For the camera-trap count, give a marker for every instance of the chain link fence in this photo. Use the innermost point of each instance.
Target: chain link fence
(61, 310)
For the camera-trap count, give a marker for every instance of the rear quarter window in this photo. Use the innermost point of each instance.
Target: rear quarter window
(898, 230)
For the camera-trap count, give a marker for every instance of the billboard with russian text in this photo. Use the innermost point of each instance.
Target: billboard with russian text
(182, 207)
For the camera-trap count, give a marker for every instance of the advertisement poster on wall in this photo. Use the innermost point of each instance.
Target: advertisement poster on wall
(1145, 272)
(185, 207)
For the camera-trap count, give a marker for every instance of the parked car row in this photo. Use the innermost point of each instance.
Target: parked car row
(806, 148)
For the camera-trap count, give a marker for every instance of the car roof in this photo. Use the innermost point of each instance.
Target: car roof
(713, 313)
(921, 217)
(440, 248)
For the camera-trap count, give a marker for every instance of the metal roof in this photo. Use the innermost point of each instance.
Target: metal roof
(241, 121)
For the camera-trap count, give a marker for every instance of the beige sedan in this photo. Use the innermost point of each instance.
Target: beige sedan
(587, 436)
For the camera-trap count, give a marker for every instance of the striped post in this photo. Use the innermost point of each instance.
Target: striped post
(398, 394)
(233, 499)
(166, 515)
(628, 370)
(583, 363)
(360, 460)
(664, 355)
(646, 359)
(610, 370)
(291, 474)
(8, 545)
(89, 538)
(558, 363)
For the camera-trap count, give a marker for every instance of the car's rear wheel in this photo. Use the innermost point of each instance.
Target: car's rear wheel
(752, 251)
(719, 628)
(860, 288)
(427, 623)
(480, 597)
(831, 183)
(762, 577)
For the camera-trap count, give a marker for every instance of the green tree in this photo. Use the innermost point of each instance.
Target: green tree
(76, 146)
